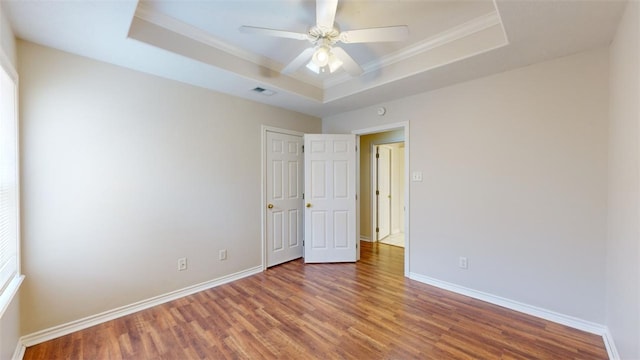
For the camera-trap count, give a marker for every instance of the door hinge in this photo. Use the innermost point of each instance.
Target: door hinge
(302, 148)
(302, 242)
(377, 156)
(377, 192)
(377, 229)
(302, 196)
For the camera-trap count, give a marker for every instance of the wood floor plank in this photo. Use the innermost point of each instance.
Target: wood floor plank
(367, 310)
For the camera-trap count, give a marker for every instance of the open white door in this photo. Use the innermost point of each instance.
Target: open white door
(330, 197)
(284, 197)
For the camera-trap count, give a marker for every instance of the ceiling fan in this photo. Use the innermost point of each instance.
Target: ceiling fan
(323, 55)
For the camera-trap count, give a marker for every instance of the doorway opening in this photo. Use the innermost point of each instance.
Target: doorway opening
(384, 188)
(387, 162)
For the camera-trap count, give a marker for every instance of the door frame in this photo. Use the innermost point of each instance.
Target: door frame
(263, 188)
(374, 185)
(404, 125)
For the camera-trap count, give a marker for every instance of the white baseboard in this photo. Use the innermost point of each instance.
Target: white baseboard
(18, 354)
(553, 316)
(612, 351)
(365, 238)
(65, 329)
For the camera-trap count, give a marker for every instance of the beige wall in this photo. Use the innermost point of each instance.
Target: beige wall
(366, 142)
(514, 168)
(10, 320)
(124, 173)
(623, 245)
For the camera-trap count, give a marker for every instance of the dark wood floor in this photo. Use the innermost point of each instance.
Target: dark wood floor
(366, 310)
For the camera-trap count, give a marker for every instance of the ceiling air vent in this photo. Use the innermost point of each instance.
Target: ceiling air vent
(263, 91)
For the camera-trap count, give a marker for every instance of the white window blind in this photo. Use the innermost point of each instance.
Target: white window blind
(8, 179)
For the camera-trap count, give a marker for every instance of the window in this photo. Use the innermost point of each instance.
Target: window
(9, 229)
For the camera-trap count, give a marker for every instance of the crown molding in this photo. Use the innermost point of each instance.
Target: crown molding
(478, 24)
(450, 35)
(144, 12)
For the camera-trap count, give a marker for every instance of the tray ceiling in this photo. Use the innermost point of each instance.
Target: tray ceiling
(198, 42)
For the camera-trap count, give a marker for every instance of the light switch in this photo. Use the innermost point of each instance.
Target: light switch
(416, 176)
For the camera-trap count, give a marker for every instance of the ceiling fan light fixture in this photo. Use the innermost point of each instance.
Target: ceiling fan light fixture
(324, 35)
(321, 56)
(324, 60)
(334, 63)
(313, 67)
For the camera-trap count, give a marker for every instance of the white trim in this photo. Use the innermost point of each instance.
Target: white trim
(450, 35)
(18, 353)
(553, 316)
(455, 33)
(9, 292)
(612, 351)
(146, 13)
(373, 185)
(545, 314)
(73, 326)
(365, 238)
(404, 125)
(358, 196)
(7, 295)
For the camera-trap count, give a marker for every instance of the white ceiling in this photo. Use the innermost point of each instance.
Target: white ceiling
(198, 42)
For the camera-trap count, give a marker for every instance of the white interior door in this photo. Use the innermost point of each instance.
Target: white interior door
(383, 192)
(330, 196)
(284, 217)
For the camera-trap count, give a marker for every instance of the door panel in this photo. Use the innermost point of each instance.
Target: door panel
(284, 196)
(330, 188)
(295, 220)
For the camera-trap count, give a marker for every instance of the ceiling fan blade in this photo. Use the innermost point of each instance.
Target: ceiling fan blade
(300, 60)
(326, 13)
(274, 32)
(348, 64)
(381, 34)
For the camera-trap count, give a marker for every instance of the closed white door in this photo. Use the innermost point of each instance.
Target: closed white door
(284, 212)
(383, 192)
(330, 197)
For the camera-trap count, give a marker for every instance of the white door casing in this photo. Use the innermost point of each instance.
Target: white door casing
(284, 203)
(330, 197)
(383, 192)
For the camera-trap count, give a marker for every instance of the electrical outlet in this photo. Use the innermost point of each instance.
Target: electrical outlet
(463, 262)
(223, 254)
(182, 264)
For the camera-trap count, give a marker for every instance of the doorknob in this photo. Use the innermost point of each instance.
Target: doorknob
(270, 206)
(308, 204)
